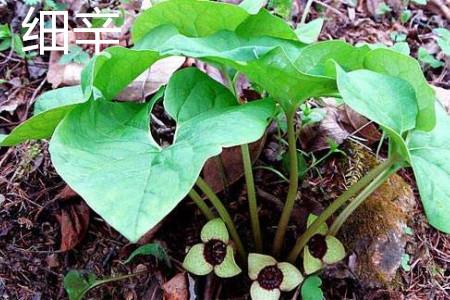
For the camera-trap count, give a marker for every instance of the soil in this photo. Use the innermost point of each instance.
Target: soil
(40, 219)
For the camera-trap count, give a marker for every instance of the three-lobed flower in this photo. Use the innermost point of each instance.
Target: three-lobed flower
(322, 249)
(214, 254)
(270, 277)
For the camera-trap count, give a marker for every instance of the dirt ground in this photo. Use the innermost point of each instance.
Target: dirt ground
(46, 230)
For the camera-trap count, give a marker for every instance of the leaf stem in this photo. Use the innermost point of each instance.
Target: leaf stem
(293, 185)
(335, 205)
(355, 203)
(223, 213)
(201, 205)
(251, 194)
(306, 12)
(248, 173)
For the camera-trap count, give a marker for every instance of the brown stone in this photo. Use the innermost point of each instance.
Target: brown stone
(375, 233)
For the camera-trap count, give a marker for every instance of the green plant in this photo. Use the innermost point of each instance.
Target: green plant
(428, 59)
(399, 105)
(259, 45)
(405, 16)
(383, 9)
(311, 288)
(443, 39)
(309, 33)
(48, 4)
(153, 249)
(405, 262)
(76, 54)
(10, 40)
(78, 283)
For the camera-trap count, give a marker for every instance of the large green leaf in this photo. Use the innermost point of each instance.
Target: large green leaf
(321, 58)
(430, 159)
(222, 46)
(407, 68)
(57, 98)
(105, 151)
(266, 61)
(109, 72)
(50, 108)
(195, 18)
(278, 65)
(276, 73)
(386, 100)
(191, 92)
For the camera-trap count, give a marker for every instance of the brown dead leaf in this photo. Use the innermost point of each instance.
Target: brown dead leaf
(146, 84)
(356, 124)
(440, 7)
(66, 194)
(150, 81)
(317, 137)
(74, 221)
(227, 168)
(62, 75)
(75, 5)
(443, 96)
(176, 288)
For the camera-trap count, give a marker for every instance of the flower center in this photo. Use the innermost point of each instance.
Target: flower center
(270, 278)
(318, 246)
(215, 252)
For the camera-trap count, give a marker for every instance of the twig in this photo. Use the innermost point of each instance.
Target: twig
(444, 8)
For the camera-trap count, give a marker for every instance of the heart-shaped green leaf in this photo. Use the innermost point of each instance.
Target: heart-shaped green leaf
(152, 249)
(430, 159)
(109, 72)
(58, 98)
(190, 93)
(269, 58)
(407, 68)
(77, 284)
(105, 151)
(252, 6)
(386, 100)
(320, 58)
(311, 288)
(50, 109)
(267, 61)
(309, 33)
(195, 18)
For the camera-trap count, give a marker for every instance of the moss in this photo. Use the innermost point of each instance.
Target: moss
(375, 229)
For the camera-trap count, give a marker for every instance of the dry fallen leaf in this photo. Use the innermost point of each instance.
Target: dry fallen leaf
(146, 84)
(62, 75)
(150, 81)
(227, 168)
(176, 288)
(66, 193)
(317, 137)
(356, 124)
(443, 96)
(74, 221)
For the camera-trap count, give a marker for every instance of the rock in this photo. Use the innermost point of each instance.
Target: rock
(375, 234)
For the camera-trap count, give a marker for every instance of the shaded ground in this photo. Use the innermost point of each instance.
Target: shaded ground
(33, 212)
